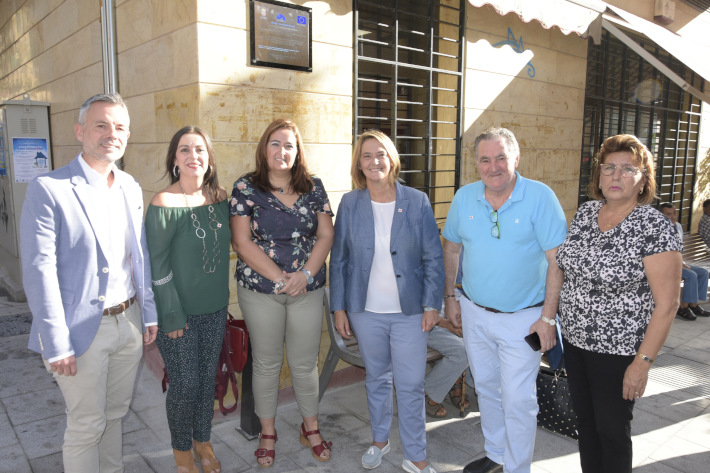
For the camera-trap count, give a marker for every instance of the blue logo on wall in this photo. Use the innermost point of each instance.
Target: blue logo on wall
(301, 20)
(280, 17)
(518, 47)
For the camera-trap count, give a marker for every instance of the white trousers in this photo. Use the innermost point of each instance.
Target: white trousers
(504, 372)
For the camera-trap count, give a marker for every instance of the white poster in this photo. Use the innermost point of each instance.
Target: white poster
(29, 158)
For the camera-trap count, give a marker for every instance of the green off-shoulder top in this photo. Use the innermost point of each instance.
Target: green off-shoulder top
(186, 280)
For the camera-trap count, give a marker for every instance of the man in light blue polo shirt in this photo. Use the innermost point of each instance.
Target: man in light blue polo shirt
(509, 228)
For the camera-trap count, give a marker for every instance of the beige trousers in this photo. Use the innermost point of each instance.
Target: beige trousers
(273, 320)
(98, 396)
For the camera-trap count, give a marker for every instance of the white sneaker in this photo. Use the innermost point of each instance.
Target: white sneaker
(412, 468)
(372, 458)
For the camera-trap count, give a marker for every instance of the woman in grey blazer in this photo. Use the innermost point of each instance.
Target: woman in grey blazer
(387, 281)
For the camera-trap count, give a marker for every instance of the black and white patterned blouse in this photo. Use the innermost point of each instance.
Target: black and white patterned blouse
(606, 301)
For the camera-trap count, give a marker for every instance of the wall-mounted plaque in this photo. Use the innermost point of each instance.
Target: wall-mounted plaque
(280, 35)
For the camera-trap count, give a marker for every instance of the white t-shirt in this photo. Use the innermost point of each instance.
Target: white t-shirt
(382, 292)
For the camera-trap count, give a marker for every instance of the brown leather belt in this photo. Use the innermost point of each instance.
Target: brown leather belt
(119, 308)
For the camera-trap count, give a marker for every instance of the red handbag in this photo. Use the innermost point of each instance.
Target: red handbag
(232, 359)
(238, 342)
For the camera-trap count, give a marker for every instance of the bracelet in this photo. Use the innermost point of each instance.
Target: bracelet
(645, 358)
(446, 296)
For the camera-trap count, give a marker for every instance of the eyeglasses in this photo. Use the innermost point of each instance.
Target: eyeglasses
(495, 229)
(627, 170)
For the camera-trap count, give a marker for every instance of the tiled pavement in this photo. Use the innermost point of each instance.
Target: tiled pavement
(671, 429)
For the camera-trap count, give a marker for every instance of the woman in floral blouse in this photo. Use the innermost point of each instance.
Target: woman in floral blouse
(282, 230)
(622, 266)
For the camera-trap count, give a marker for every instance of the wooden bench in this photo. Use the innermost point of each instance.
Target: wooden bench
(346, 350)
(695, 249)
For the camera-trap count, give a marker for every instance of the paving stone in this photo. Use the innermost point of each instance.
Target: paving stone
(29, 407)
(7, 433)
(42, 437)
(13, 460)
(48, 464)
(11, 325)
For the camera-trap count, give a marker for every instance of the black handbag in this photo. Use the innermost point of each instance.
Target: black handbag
(556, 412)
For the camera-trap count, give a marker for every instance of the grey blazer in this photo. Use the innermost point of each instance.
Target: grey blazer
(415, 249)
(64, 268)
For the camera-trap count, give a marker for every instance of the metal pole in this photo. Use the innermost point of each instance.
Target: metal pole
(108, 46)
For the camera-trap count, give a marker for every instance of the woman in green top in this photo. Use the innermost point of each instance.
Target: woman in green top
(187, 226)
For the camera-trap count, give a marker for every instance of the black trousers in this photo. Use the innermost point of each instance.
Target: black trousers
(595, 383)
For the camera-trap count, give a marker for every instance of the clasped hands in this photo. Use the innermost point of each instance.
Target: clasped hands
(296, 284)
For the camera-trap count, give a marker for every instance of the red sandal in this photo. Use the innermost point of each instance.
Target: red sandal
(263, 453)
(317, 449)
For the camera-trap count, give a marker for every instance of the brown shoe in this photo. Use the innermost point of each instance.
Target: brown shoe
(184, 462)
(204, 454)
(433, 408)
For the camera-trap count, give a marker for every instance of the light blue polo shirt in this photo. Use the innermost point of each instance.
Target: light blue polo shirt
(509, 273)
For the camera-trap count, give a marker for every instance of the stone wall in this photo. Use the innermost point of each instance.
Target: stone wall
(538, 95)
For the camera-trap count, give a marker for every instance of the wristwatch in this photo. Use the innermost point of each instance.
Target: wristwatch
(309, 278)
(548, 321)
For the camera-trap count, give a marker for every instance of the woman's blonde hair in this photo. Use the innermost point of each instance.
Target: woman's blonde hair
(643, 159)
(395, 165)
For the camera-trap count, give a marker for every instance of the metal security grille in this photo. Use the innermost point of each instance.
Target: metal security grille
(701, 5)
(626, 94)
(408, 71)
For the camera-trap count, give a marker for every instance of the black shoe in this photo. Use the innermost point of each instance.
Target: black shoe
(483, 465)
(699, 311)
(685, 313)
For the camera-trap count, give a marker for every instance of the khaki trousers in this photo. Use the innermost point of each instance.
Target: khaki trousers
(98, 396)
(273, 320)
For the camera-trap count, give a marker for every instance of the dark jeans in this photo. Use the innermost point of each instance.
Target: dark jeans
(595, 382)
(191, 361)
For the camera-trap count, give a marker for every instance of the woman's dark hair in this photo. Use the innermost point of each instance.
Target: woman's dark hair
(301, 181)
(211, 182)
(642, 158)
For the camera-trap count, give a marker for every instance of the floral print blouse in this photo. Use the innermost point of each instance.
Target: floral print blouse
(606, 301)
(286, 234)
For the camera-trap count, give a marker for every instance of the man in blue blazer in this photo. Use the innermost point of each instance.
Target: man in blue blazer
(86, 275)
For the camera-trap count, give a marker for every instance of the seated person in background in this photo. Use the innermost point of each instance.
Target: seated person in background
(704, 227)
(695, 287)
(447, 340)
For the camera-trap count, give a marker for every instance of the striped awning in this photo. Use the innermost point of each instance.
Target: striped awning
(689, 52)
(582, 17)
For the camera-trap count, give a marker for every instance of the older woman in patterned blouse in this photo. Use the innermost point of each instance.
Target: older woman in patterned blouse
(282, 230)
(622, 266)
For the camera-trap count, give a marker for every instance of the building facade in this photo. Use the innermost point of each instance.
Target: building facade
(561, 74)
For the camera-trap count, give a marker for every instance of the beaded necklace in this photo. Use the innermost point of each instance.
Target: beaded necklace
(209, 263)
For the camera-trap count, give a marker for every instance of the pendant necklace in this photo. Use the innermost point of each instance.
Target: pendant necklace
(610, 222)
(209, 263)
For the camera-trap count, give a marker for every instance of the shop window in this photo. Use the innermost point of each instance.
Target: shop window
(626, 94)
(408, 71)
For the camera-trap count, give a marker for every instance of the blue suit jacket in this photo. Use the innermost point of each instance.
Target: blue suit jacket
(64, 268)
(415, 248)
